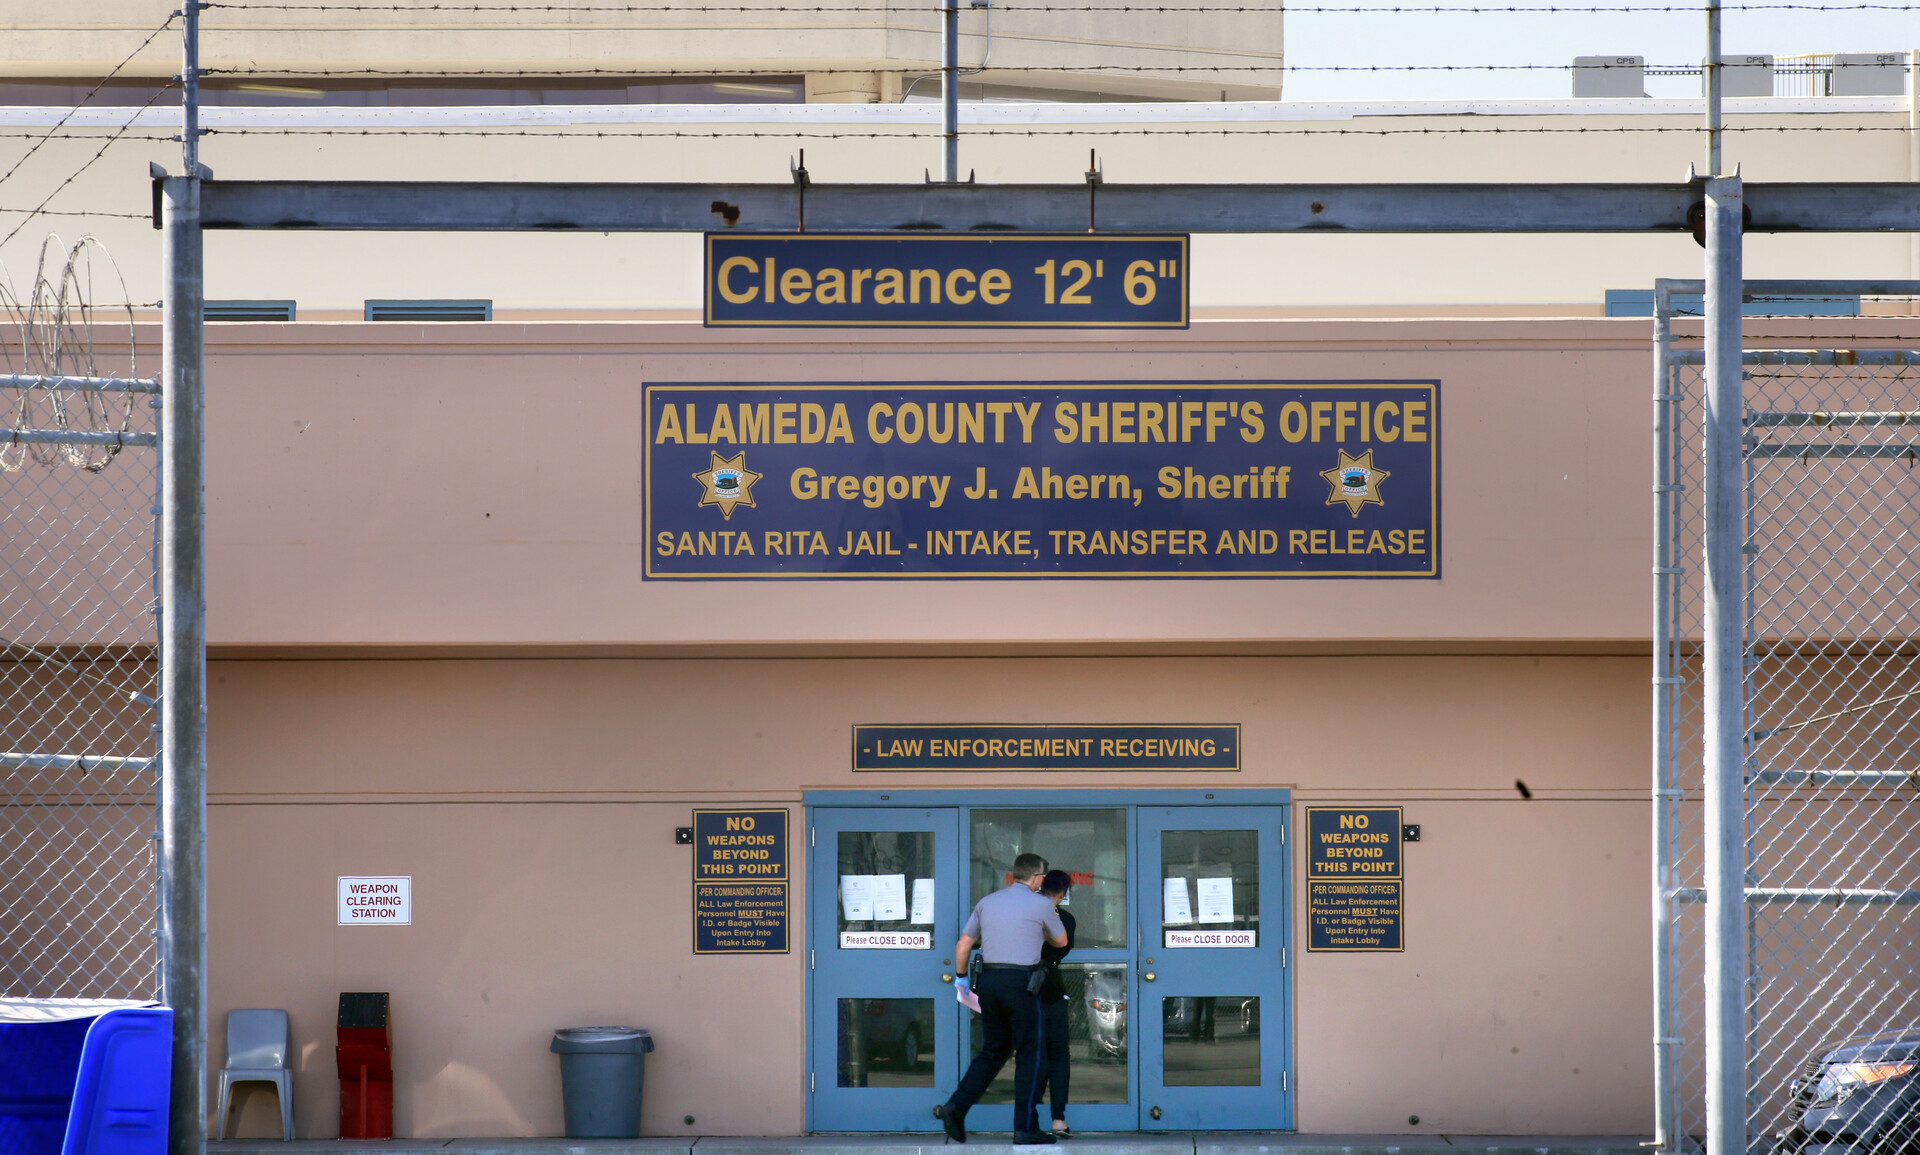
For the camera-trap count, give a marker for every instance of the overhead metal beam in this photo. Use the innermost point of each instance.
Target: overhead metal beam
(463, 206)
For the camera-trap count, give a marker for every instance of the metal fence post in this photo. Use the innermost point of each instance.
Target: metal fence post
(950, 87)
(1724, 737)
(1664, 1124)
(183, 668)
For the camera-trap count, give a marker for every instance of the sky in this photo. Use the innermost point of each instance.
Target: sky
(1671, 38)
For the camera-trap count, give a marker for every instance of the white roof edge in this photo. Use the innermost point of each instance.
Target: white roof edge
(984, 115)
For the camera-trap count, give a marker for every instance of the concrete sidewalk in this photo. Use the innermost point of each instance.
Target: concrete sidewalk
(991, 1143)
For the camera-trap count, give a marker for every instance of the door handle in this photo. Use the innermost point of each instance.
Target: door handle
(946, 978)
(1148, 976)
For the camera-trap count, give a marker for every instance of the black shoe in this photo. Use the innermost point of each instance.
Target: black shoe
(1063, 1132)
(954, 1123)
(1030, 1138)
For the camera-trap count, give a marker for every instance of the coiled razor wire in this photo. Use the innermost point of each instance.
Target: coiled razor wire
(78, 639)
(52, 335)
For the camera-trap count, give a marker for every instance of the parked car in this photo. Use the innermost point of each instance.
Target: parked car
(897, 1033)
(1210, 1016)
(1105, 1008)
(1860, 1098)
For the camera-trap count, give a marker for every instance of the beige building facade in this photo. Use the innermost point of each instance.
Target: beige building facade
(435, 657)
(444, 647)
(850, 52)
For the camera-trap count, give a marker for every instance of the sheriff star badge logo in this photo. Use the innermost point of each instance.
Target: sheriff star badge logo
(727, 483)
(1355, 482)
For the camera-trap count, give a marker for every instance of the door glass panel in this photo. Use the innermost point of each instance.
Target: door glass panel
(886, 890)
(1096, 1037)
(886, 1042)
(1090, 845)
(1210, 883)
(1211, 1041)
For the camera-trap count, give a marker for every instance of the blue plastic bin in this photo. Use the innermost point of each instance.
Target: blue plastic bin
(83, 1077)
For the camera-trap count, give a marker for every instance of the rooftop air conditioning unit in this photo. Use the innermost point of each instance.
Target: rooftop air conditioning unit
(1743, 76)
(1598, 76)
(1869, 74)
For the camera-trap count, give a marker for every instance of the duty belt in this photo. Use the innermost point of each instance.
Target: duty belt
(1010, 966)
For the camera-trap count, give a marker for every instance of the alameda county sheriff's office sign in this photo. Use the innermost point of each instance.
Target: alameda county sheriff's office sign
(1084, 479)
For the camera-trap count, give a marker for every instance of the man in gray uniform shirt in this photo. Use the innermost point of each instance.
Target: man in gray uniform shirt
(1010, 925)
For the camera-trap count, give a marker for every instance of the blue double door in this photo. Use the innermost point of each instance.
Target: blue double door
(1177, 1008)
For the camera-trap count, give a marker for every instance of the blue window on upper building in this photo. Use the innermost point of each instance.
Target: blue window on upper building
(1639, 303)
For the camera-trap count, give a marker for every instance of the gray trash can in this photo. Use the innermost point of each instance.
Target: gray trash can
(601, 1072)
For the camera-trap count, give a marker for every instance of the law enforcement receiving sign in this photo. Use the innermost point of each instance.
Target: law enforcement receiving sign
(1354, 879)
(1055, 747)
(740, 882)
(1076, 480)
(964, 280)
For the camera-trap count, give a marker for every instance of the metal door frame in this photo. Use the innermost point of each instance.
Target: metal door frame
(1006, 798)
(1147, 912)
(944, 821)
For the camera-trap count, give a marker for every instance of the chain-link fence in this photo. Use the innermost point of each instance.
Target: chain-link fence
(1832, 698)
(78, 630)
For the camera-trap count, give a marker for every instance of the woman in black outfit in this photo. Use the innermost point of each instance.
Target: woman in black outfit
(1054, 1063)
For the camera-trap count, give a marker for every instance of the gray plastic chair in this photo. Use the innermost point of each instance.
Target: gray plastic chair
(257, 1053)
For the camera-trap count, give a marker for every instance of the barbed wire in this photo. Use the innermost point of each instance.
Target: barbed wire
(61, 123)
(975, 131)
(525, 74)
(631, 9)
(89, 163)
(87, 132)
(77, 213)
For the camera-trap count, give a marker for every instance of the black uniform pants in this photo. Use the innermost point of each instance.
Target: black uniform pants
(1055, 1064)
(1010, 1024)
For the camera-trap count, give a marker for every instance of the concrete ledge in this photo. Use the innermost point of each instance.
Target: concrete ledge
(1272, 1143)
(981, 1143)
(648, 1146)
(1289, 1143)
(1548, 1144)
(1083, 1143)
(889, 1144)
